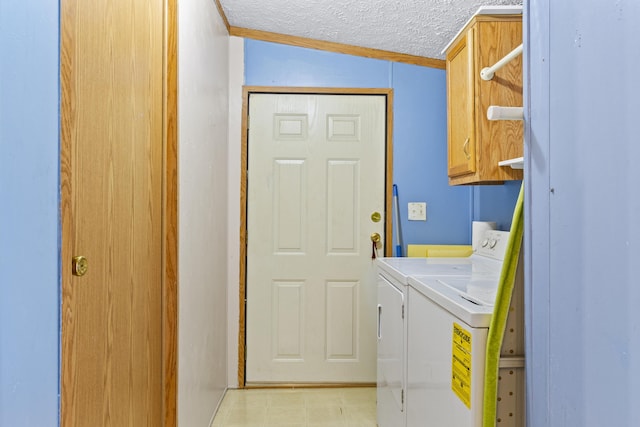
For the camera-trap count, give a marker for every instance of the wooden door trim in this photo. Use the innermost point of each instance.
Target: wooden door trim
(248, 90)
(170, 222)
(169, 203)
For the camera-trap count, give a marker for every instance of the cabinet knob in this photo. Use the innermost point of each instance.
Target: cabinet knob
(79, 265)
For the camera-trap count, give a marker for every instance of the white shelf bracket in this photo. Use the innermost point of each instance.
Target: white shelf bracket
(517, 163)
(495, 112)
(488, 72)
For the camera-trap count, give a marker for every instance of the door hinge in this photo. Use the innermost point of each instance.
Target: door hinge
(403, 311)
(402, 396)
(248, 121)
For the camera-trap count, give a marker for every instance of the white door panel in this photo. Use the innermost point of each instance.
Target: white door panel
(316, 174)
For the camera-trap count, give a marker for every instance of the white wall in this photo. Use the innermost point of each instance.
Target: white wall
(203, 108)
(583, 204)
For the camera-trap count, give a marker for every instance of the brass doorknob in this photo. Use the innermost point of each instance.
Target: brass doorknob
(375, 237)
(79, 265)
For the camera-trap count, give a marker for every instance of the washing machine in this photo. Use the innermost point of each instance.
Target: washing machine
(393, 288)
(447, 328)
(400, 310)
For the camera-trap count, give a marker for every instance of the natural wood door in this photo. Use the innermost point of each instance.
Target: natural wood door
(316, 175)
(111, 177)
(460, 85)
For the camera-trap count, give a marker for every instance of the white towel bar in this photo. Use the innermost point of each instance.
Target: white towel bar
(488, 72)
(517, 163)
(511, 362)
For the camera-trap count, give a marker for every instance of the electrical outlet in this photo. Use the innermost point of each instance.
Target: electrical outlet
(417, 211)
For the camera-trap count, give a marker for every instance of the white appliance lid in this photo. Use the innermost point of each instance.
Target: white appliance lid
(401, 269)
(469, 300)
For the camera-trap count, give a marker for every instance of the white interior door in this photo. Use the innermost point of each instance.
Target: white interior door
(316, 175)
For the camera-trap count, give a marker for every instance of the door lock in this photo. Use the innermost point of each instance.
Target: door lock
(79, 265)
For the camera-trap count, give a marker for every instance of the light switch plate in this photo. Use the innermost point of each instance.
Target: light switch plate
(417, 211)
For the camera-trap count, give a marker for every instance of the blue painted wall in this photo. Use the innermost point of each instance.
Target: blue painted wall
(496, 203)
(420, 158)
(583, 236)
(419, 140)
(29, 161)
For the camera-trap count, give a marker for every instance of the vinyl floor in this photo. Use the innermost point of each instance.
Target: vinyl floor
(335, 407)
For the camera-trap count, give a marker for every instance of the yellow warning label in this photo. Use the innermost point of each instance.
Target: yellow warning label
(461, 364)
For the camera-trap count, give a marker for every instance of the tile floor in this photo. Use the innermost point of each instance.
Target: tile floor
(335, 407)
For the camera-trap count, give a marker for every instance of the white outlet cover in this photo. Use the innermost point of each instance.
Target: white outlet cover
(417, 211)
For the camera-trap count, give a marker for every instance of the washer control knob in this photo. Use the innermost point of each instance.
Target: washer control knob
(493, 243)
(484, 243)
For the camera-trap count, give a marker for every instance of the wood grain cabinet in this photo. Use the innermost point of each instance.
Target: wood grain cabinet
(476, 144)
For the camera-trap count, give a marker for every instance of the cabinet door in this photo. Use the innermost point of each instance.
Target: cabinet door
(391, 355)
(460, 112)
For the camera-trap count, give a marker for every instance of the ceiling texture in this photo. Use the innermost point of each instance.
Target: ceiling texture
(413, 27)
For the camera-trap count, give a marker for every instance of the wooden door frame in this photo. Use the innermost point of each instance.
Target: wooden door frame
(170, 218)
(248, 90)
(169, 204)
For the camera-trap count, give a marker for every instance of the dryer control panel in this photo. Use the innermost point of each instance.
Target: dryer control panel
(493, 244)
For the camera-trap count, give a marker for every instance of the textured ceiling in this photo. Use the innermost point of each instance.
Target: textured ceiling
(415, 27)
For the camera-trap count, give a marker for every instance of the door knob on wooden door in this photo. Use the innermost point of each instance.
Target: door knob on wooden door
(375, 237)
(79, 265)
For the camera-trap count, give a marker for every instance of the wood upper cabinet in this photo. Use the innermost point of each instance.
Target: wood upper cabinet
(476, 144)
